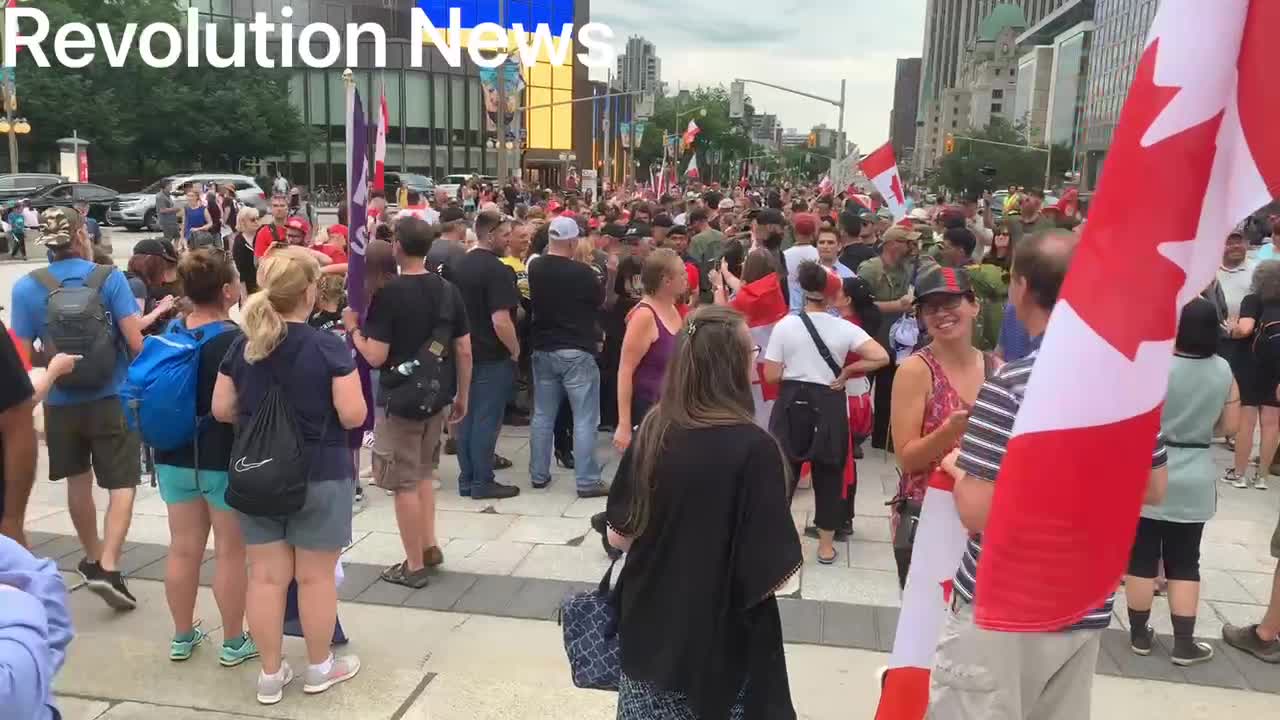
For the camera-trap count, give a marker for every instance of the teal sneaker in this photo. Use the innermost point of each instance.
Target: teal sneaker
(180, 648)
(230, 655)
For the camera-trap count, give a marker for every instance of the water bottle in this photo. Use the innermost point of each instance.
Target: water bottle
(406, 368)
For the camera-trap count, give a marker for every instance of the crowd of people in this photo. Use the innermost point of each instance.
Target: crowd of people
(731, 345)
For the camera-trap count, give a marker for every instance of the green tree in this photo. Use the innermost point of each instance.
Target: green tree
(720, 134)
(962, 170)
(139, 118)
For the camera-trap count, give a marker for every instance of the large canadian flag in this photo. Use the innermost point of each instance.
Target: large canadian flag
(881, 169)
(1198, 135)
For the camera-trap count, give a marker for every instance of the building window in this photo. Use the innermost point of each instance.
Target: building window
(996, 108)
(997, 72)
(953, 123)
(997, 94)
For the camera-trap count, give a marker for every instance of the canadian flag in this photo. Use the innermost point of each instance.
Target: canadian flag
(763, 306)
(825, 185)
(1198, 126)
(940, 543)
(380, 146)
(692, 170)
(690, 134)
(882, 169)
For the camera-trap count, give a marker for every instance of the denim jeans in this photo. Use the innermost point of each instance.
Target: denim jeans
(556, 374)
(491, 384)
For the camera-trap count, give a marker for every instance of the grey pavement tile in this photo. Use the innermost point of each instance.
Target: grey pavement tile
(207, 569)
(442, 592)
(539, 599)
(153, 571)
(36, 539)
(356, 578)
(384, 593)
(63, 546)
(1153, 667)
(886, 627)
(140, 557)
(490, 595)
(1261, 677)
(1218, 672)
(850, 626)
(801, 621)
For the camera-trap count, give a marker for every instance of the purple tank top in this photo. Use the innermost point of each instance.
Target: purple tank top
(647, 382)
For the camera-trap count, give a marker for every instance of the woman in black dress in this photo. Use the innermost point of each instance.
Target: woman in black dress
(699, 503)
(1257, 371)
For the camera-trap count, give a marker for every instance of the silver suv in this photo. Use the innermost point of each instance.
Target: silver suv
(136, 211)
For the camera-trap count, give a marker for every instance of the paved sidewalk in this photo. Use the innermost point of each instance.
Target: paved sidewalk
(427, 665)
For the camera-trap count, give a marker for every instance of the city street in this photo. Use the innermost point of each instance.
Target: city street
(480, 641)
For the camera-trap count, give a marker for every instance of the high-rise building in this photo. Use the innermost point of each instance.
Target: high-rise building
(639, 67)
(1121, 28)
(902, 119)
(950, 25)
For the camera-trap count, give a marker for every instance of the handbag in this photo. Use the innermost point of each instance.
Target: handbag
(590, 622)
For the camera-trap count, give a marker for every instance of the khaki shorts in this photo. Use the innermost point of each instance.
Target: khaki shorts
(406, 452)
(93, 434)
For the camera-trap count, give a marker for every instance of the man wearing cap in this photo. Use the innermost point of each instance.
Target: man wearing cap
(448, 249)
(804, 250)
(891, 276)
(661, 225)
(1032, 219)
(566, 298)
(84, 422)
(417, 207)
(766, 235)
(857, 241)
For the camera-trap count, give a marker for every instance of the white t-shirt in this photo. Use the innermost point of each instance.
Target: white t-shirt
(795, 255)
(422, 213)
(791, 345)
(1235, 285)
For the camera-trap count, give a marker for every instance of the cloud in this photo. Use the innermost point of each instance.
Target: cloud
(807, 45)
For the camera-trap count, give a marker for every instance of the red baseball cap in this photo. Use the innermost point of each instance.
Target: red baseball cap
(692, 271)
(336, 229)
(805, 224)
(834, 285)
(298, 223)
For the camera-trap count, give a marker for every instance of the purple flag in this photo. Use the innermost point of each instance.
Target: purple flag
(357, 205)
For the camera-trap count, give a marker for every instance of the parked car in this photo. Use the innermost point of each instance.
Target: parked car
(136, 211)
(395, 180)
(451, 183)
(14, 187)
(65, 194)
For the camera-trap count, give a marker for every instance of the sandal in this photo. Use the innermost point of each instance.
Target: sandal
(830, 560)
(399, 574)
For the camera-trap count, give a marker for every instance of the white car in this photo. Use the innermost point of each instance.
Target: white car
(137, 211)
(451, 183)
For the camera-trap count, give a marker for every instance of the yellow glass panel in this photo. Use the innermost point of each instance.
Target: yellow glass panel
(539, 122)
(562, 77)
(562, 121)
(540, 75)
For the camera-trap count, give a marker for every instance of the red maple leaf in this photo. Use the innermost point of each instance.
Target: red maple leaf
(1120, 284)
(895, 186)
(948, 586)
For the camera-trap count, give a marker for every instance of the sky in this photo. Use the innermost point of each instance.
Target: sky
(808, 45)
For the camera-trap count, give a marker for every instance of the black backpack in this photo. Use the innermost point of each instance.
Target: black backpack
(77, 322)
(269, 465)
(421, 387)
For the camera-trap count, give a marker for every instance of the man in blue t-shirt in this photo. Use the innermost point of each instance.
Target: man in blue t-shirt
(85, 428)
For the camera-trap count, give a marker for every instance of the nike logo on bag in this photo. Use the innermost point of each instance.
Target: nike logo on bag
(242, 466)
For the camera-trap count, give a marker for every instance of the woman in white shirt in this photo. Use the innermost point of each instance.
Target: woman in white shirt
(810, 418)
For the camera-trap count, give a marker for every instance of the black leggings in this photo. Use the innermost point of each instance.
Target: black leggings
(1177, 543)
(831, 509)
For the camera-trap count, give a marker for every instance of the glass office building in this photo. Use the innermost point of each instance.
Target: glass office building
(439, 120)
(1118, 42)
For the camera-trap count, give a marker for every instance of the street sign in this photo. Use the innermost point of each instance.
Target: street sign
(737, 99)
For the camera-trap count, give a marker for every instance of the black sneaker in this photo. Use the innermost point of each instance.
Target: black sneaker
(495, 491)
(1141, 643)
(89, 570)
(1200, 652)
(598, 490)
(109, 585)
(1246, 639)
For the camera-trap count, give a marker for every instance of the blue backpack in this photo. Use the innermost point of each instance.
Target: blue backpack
(159, 393)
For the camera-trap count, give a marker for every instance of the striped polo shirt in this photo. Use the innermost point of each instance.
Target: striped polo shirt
(982, 451)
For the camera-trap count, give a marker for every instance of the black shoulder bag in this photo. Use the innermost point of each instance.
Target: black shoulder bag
(425, 385)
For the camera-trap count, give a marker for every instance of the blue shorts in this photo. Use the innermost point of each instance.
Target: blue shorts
(181, 485)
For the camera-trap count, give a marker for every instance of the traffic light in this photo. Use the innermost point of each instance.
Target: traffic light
(949, 146)
(813, 140)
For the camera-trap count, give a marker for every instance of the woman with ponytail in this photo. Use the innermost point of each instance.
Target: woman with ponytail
(701, 634)
(315, 373)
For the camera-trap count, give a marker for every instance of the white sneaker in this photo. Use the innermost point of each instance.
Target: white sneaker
(1240, 482)
(1260, 482)
(271, 688)
(1230, 477)
(344, 668)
